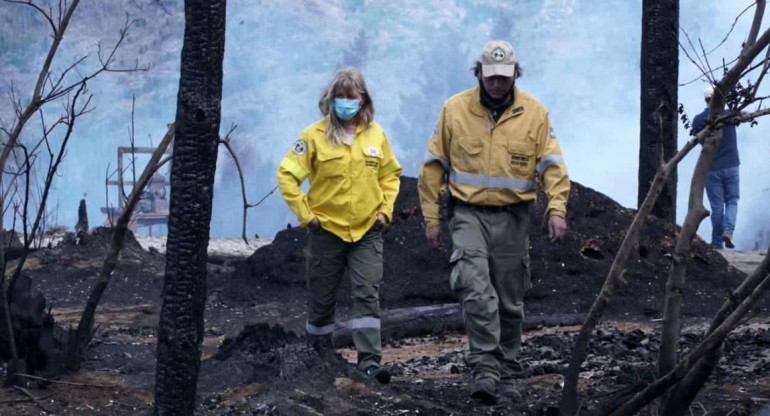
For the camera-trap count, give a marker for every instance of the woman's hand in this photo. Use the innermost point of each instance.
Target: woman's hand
(382, 219)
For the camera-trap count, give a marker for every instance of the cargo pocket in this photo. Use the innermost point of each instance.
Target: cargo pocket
(372, 160)
(521, 157)
(454, 275)
(331, 162)
(464, 153)
(527, 275)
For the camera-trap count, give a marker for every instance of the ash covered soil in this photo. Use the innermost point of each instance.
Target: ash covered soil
(255, 361)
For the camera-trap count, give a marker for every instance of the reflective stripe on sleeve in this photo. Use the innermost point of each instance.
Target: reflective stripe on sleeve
(295, 169)
(430, 158)
(548, 161)
(319, 330)
(365, 322)
(462, 178)
(389, 168)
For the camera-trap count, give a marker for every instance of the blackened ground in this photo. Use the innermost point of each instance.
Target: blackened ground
(566, 276)
(265, 369)
(431, 376)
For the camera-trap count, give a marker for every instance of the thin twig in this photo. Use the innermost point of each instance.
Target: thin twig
(31, 397)
(264, 197)
(68, 383)
(735, 22)
(226, 142)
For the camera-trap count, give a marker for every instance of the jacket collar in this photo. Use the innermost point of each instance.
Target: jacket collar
(515, 109)
(324, 124)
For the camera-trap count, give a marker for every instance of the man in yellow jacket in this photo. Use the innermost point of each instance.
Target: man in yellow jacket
(493, 144)
(353, 186)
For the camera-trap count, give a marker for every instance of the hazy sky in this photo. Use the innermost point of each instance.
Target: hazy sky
(580, 59)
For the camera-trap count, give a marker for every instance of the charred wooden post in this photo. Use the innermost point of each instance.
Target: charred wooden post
(81, 227)
(658, 121)
(180, 332)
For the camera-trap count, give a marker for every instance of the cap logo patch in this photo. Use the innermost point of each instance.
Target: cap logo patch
(372, 151)
(498, 55)
(299, 147)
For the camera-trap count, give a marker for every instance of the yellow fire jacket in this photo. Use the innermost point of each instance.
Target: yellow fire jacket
(488, 163)
(349, 184)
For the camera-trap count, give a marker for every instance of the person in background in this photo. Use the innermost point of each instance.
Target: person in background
(722, 182)
(493, 144)
(354, 181)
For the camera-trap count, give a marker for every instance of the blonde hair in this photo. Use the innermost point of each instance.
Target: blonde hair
(345, 81)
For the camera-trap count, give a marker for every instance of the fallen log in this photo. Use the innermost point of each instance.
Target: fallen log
(436, 319)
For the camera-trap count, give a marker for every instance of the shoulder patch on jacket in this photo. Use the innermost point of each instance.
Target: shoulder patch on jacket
(553, 133)
(299, 147)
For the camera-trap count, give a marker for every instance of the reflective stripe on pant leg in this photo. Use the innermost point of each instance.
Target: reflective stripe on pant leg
(324, 273)
(510, 275)
(365, 270)
(470, 281)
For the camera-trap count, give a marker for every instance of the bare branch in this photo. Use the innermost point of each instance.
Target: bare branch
(66, 383)
(712, 341)
(614, 276)
(700, 65)
(226, 142)
(759, 12)
(32, 398)
(73, 113)
(264, 197)
(46, 15)
(35, 102)
(735, 22)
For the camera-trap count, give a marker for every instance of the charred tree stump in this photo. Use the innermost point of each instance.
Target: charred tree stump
(40, 351)
(81, 227)
(659, 83)
(180, 332)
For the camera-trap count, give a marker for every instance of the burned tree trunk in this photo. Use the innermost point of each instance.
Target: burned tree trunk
(180, 332)
(658, 121)
(81, 227)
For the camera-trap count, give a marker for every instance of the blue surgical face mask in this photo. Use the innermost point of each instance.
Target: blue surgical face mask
(346, 109)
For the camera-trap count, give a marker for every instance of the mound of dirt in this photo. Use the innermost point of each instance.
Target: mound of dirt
(566, 276)
(66, 273)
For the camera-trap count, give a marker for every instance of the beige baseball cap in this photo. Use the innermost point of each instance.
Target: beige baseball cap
(498, 58)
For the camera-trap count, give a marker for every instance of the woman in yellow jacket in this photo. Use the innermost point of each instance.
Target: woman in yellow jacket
(353, 186)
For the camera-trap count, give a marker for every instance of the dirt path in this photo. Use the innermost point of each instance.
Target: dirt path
(745, 261)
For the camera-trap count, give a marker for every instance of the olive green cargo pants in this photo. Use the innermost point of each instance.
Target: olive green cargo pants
(490, 274)
(330, 257)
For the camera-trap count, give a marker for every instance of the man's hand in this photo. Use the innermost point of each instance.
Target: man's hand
(557, 227)
(314, 223)
(435, 236)
(382, 219)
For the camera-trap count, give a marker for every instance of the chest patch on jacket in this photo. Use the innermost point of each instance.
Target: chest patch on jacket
(519, 160)
(372, 164)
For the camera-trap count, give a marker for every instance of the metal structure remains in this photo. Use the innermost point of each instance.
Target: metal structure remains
(152, 208)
